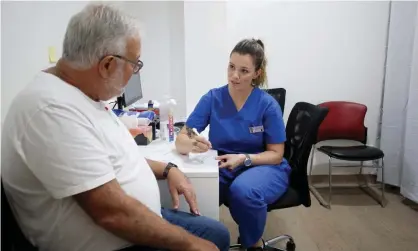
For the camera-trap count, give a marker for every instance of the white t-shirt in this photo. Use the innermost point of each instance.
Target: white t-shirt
(57, 142)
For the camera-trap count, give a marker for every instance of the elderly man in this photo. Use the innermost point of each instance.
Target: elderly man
(72, 172)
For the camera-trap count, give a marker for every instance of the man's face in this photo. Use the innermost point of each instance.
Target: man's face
(116, 70)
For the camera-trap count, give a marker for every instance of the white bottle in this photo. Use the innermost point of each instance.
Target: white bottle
(167, 119)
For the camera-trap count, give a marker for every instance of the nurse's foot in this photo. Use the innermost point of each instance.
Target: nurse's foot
(259, 246)
(255, 249)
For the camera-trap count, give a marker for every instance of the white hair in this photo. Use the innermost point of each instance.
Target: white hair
(97, 31)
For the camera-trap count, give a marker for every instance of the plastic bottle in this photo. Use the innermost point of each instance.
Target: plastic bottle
(167, 119)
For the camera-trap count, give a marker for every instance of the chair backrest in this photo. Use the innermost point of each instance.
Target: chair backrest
(279, 94)
(12, 238)
(301, 131)
(345, 120)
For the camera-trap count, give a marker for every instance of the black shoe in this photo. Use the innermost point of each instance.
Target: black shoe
(255, 249)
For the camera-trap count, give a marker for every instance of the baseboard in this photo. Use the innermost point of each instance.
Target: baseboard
(343, 178)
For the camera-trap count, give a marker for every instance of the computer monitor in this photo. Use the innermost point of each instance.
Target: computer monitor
(133, 92)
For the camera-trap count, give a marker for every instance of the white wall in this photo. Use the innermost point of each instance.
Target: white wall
(157, 44)
(319, 51)
(398, 79)
(30, 27)
(409, 187)
(177, 57)
(162, 54)
(206, 54)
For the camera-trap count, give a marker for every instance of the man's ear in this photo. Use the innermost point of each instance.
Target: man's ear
(107, 66)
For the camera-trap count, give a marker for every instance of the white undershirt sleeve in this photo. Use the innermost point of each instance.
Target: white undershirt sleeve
(64, 151)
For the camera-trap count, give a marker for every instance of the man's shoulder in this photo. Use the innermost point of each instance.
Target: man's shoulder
(44, 95)
(43, 91)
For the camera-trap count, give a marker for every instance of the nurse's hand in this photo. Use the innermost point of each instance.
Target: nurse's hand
(200, 144)
(231, 161)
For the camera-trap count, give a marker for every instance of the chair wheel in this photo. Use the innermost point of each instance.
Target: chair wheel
(290, 246)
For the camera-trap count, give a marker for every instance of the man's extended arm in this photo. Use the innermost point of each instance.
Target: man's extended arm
(111, 208)
(157, 167)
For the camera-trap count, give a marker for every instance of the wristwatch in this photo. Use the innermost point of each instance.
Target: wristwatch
(247, 161)
(167, 169)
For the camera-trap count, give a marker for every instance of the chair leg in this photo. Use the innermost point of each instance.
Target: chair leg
(383, 199)
(315, 192)
(372, 190)
(363, 177)
(290, 244)
(330, 182)
(312, 159)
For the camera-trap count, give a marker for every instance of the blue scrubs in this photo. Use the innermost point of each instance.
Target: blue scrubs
(247, 191)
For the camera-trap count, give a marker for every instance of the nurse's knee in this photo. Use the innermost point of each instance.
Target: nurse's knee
(244, 195)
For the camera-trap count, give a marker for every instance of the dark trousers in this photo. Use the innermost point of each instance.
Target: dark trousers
(201, 226)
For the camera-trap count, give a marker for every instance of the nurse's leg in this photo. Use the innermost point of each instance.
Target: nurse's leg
(249, 195)
(224, 183)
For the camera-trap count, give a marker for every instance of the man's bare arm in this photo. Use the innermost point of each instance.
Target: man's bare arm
(157, 168)
(111, 208)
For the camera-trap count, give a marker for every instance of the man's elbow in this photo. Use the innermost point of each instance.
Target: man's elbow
(109, 221)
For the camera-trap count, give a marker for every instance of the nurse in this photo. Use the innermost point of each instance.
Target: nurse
(247, 130)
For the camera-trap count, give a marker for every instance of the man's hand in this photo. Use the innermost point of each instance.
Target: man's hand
(179, 184)
(231, 161)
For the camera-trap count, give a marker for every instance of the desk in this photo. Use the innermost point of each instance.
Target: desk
(203, 175)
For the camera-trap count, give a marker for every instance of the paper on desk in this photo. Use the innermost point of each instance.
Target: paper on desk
(159, 153)
(208, 156)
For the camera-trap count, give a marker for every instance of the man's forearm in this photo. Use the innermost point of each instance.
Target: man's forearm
(137, 224)
(157, 167)
(124, 216)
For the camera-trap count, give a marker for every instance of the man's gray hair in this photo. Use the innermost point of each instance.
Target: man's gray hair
(97, 31)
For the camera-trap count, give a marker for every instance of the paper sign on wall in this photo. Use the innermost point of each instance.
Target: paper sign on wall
(52, 54)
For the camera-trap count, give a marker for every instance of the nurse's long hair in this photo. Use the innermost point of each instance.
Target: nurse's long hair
(255, 48)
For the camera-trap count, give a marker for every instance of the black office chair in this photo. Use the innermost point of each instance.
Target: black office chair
(12, 238)
(279, 94)
(301, 132)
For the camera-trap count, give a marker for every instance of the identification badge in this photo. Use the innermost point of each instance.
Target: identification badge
(256, 129)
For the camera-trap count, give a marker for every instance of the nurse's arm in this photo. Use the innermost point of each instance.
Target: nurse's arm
(272, 156)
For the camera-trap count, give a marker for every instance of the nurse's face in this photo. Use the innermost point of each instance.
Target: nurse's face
(241, 71)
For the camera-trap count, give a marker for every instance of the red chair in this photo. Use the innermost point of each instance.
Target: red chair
(345, 121)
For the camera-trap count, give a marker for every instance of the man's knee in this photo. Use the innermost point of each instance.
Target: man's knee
(223, 237)
(217, 233)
